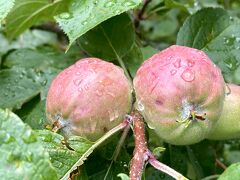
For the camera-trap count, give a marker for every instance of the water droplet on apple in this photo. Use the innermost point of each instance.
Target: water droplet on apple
(177, 63)
(188, 75)
(190, 63)
(77, 82)
(173, 71)
(140, 106)
(99, 92)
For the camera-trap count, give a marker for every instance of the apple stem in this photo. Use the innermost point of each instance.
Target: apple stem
(142, 154)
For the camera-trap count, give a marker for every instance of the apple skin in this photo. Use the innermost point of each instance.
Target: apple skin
(228, 125)
(89, 98)
(180, 93)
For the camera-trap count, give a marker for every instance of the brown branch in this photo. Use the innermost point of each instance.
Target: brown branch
(139, 154)
(140, 13)
(220, 164)
(142, 154)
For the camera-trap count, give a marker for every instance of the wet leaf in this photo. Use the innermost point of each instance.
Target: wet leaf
(85, 15)
(5, 7)
(22, 154)
(232, 172)
(111, 39)
(18, 86)
(29, 12)
(214, 31)
(62, 158)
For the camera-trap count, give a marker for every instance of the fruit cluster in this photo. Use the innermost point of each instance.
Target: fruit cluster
(179, 91)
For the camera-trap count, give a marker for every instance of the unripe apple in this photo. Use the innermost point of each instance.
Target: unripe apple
(228, 125)
(89, 98)
(180, 93)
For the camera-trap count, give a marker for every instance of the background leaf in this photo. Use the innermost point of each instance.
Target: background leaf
(232, 172)
(63, 158)
(5, 7)
(86, 14)
(163, 26)
(133, 59)
(22, 155)
(217, 33)
(18, 86)
(40, 59)
(29, 39)
(36, 116)
(29, 12)
(110, 39)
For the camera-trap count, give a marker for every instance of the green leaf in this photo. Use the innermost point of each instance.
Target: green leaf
(174, 4)
(48, 76)
(29, 12)
(29, 39)
(5, 7)
(109, 40)
(148, 52)
(123, 176)
(231, 154)
(18, 86)
(36, 118)
(133, 59)
(86, 14)
(232, 172)
(214, 31)
(40, 59)
(67, 158)
(22, 154)
(63, 158)
(157, 152)
(202, 161)
(84, 156)
(160, 26)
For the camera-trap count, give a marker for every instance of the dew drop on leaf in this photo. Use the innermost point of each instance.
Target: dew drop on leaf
(238, 39)
(11, 157)
(29, 156)
(84, 22)
(109, 4)
(118, 11)
(129, 3)
(65, 15)
(29, 137)
(47, 138)
(8, 139)
(60, 165)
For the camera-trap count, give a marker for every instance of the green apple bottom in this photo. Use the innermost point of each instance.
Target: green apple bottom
(228, 125)
(179, 92)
